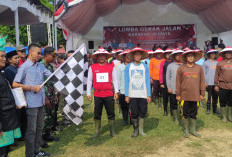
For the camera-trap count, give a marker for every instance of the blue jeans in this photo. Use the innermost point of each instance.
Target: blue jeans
(33, 136)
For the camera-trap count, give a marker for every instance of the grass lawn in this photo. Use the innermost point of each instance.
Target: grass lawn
(77, 141)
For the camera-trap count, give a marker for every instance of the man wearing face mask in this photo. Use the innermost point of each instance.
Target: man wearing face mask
(102, 76)
(30, 76)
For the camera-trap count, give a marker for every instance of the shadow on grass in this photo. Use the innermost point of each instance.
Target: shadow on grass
(151, 124)
(68, 135)
(200, 123)
(104, 138)
(87, 115)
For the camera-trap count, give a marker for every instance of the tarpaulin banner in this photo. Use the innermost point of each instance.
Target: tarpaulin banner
(123, 37)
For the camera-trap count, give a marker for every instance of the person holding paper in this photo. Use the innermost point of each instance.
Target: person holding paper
(10, 71)
(30, 76)
(9, 125)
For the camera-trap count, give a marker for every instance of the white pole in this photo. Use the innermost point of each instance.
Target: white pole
(49, 35)
(55, 37)
(28, 34)
(54, 28)
(17, 26)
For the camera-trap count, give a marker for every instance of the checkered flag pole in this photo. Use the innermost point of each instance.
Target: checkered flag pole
(70, 79)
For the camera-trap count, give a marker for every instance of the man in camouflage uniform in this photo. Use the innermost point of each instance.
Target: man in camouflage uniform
(51, 99)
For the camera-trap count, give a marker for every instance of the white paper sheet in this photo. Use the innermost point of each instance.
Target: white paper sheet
(19, 97)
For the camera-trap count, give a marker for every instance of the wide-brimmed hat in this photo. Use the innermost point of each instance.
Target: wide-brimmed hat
(177, 51)
(198, 55)
(137, 49)
(186, 49)
(227, 49)
(118, 51)
(101, 51)
(159, 50)
(210, 51)
(150, 52)
(122, 55)
(168, 50)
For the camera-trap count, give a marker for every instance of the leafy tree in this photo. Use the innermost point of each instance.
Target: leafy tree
(9, 31)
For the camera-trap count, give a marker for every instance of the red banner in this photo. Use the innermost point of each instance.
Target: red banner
(124, 37)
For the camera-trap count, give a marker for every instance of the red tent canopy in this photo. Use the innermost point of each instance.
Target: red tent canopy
(80, 15)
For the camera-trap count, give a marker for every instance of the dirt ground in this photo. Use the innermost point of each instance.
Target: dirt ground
(213, 143)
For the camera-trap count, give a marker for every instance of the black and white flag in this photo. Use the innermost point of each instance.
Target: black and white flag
(70, 80)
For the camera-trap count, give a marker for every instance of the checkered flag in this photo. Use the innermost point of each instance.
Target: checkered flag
(70, 79)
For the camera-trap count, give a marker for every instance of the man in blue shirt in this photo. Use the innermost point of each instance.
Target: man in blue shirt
(30, 76)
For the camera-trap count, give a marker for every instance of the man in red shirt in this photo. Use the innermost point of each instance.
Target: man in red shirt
(22, 54)
(102, 76)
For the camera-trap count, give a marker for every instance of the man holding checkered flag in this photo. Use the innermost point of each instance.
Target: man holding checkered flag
(70, 80)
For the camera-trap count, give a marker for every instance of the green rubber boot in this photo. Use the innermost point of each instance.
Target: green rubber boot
(97, 128)
(175, 116)
(186, 127)
(112, 127)
(229, 109)
(192, 126)
(223, 112)
(135, 123)
(141, 127)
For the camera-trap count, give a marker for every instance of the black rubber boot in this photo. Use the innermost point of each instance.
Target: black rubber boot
(208, 108)
(165, 110)
(215, 109)
(135, 123)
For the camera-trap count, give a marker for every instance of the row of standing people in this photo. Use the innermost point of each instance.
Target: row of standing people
(175, 71)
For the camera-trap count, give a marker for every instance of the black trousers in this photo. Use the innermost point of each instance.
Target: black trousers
(108, 102)
(22, 116)
(156, 89)
(138, 107)
(55, 115)
(173, 102)
(225, 97)
(124, 106)
(165, 98)
(4, 151)
(189, 109)
(212, 94)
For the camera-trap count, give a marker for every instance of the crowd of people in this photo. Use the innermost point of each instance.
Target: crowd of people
(180, 76)
(37, 123)
(133, 77)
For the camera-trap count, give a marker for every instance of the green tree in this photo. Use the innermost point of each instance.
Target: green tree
(9, 31)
